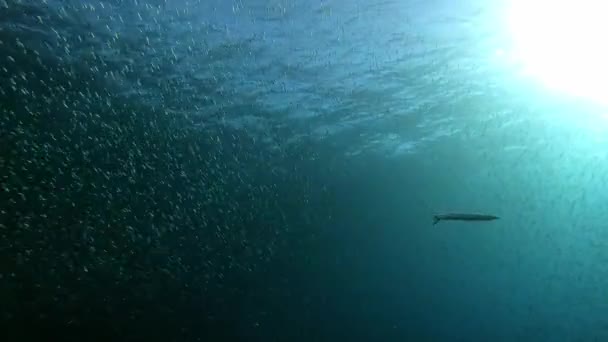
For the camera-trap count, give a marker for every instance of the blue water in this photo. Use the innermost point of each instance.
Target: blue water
(268, 171)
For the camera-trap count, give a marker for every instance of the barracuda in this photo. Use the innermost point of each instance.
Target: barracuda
(463, 217)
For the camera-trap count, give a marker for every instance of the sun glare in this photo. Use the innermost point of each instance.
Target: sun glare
(564, 44)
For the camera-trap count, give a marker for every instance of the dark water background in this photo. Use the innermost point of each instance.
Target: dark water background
(267, 171)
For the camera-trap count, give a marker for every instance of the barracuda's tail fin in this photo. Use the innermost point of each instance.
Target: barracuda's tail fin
(435, 219)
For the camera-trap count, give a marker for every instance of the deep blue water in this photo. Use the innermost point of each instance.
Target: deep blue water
(268, 171)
